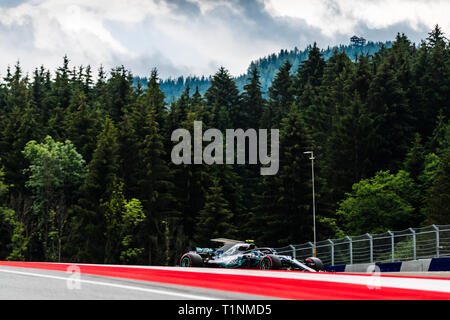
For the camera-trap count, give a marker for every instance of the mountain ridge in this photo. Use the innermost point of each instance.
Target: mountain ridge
(267, 66)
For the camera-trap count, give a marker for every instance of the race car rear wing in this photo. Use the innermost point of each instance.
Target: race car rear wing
(226, 241)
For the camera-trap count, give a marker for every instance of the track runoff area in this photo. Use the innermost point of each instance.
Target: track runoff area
(235, 284)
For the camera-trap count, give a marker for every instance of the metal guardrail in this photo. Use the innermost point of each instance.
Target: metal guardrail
(391, 246)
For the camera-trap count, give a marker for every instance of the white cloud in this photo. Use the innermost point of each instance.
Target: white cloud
(333, 16)
(193, 36)
(76, 28)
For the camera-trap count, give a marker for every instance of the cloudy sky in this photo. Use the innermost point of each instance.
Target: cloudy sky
(185, 37)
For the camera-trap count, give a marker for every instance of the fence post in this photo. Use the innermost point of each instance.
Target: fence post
(437, 239)
(371, 247)
(293, 251)
(414, 242)
(332, 251)
(350, 248)
(312, 248)
(392, 245)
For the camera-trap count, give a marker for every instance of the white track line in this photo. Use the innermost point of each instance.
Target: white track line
(157, 291)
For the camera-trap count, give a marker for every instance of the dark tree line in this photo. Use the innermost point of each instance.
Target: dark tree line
(87, 174)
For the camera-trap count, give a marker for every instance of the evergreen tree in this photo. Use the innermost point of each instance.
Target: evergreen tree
(388, 107)
(18, 93)
(20, 126)
(214, 220)
(415, 158)
(287, 198)
(191, 182)
(224, 100)
(321, 105)
(431, 74)
(83, 125)
(437, 206)
(97, 188)
(103, 168)
(281, 96)
(154, 183)
(197, 98)
(62, 87)
(155, 99)
(128, 149)
(252, 102)
(310, 72)
(347, 152)
(118, 92)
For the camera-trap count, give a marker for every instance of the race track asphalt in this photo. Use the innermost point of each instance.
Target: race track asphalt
(37, 284)
(60, 281)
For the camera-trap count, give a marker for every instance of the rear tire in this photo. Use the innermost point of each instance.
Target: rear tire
(270, 262)
(190, 260)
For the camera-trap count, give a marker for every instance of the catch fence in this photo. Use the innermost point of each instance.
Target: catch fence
(391, 246)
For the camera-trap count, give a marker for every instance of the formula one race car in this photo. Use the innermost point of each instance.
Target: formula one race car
(245, 255)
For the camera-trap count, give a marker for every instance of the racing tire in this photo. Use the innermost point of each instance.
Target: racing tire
(270, 262)
(190, 260)
(314, 263)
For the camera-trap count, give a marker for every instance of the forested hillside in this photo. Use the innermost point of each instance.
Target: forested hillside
(267, 68)
(87, 176)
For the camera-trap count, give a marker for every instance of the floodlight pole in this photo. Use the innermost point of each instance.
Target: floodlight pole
(314, 198)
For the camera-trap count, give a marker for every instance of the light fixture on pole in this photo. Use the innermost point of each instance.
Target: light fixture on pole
(314, 198)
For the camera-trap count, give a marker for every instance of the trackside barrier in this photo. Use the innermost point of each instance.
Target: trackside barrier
(388, 247)
(421, 265)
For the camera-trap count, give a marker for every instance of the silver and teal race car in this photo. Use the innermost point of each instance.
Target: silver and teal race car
(236, 254)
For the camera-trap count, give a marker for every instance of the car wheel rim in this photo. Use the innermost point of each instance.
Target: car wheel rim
(265, 264)
(185, 262)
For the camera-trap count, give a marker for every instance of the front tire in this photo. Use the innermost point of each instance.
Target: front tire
(314, 263)
(190, 260)
(270, 262)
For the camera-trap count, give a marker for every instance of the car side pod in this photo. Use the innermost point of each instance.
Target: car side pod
(191, 259)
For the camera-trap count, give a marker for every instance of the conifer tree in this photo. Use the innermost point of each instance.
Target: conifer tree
(415, 158)
(223, 99)
(431, 74)
(310, 72)
(39, 92)
(281, 96)
(103, 168)
(437, 207)
(83, 125)
(347, 155)
(190, 181)
(154, 181)
(388, 107)
(197, 98)
(287, 198)
(20, 126)
(97, 188)
(18, 93)
(62, 86)
(118, 92)
(252, 102)
(214, 220)
(155, 99)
